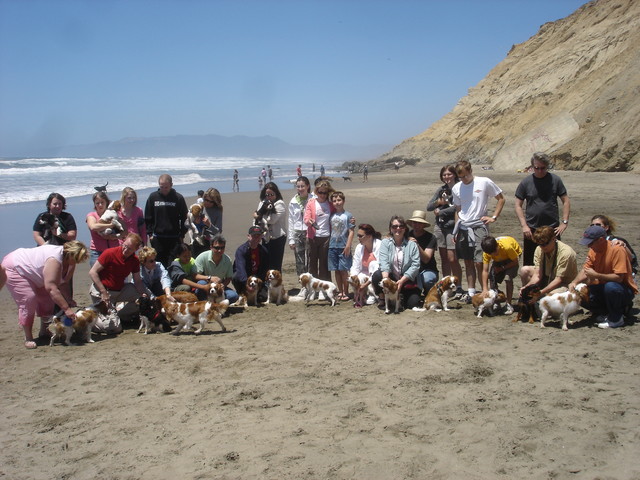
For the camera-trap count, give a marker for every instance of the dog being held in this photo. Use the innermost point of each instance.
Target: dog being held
(360, 294)
(275, 289)
(151, 315)
(437, 298)
(52, 230)
(529, 295)
(186, 314)
(488, 304)
(315, 285)
(110, 217)
(85, 319)
(391, 294)
(563, 304)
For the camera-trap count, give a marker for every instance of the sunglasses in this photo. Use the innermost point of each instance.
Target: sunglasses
(218, 248)
(269, 194)
(396, 227)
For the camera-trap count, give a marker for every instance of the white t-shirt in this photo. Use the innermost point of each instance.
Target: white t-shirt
(473, 198)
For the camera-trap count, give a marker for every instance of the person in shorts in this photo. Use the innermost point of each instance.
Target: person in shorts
(500, 262)
(340, 244)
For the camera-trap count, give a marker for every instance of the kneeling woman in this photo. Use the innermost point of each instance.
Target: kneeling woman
(400, 261)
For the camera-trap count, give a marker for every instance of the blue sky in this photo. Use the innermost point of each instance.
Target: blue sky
(308, 72)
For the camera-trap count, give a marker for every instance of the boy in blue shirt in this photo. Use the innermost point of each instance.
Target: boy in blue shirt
(342, 228)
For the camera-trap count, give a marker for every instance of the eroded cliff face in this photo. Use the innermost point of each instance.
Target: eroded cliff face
(572, 91)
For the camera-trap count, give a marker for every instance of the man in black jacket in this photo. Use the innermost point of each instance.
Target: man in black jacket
(164, 214)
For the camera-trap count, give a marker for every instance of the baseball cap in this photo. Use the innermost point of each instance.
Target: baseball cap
(591, 234)
(255, 230)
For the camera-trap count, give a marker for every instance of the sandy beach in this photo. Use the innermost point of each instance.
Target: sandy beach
(299, 391)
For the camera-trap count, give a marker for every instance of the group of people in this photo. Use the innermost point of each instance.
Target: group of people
(320, 232)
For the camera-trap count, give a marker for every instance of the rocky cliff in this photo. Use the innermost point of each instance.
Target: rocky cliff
(572, 91)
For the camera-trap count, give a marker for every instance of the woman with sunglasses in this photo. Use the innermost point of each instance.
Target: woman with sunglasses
(317, 215)
(366, 255)
(400, 261)
(271, 216)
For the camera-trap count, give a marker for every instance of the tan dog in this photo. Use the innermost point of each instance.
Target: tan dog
(563, 304)
(488, 304)
(186, 314)
(360, 294)
(315, 285)
(85, 319)
(437, 298)
(275, 291)
(391, 294)
(253, 287)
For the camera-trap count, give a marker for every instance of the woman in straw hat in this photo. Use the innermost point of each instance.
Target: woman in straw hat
(427, 244)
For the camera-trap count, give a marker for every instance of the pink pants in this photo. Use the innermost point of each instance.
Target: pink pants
(29, 298)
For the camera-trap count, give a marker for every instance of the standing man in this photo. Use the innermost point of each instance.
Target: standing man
(215, 266)
(540, 191)
(165, 214)
(251, 260)
(471, 197)
(607, 271)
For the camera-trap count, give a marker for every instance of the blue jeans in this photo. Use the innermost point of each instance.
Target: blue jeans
(427, 279)
(612, 297)
(229, 294)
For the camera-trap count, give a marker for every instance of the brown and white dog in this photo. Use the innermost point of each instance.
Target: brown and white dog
(216, 292)
(275, 289)
(253, 287)
(85, 319)
(110, 217)
(488, 304)
(315, 285)
(391, 294)
(186, 314)
(360, 294)
(563, 304)
(437, 298)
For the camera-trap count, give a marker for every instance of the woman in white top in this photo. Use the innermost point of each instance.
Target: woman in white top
(270, 215)
(297, 233)
(366, 255)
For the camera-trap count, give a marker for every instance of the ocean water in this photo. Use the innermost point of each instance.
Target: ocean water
(25, 184)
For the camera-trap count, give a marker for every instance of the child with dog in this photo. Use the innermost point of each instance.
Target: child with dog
(341, 237)
(500, 262)
(154, 276)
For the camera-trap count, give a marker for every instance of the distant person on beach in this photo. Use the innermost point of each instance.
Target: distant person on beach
(471, 197)
(297, 231)
(271, 216)
(607, 272)
(131, 215)
(317, 215)
(154, 276)
(610, 226)
(236, 181)
(100, 241)
(250, 260)
(340, 244)
(313, 167)
(540, 192)
(110, 272)
(213, 211)
(38, 279)
(199, 201)
(263, 174)
(400, 261)
(66, 229)
(299, 171)
(215, 265)
(165, 214)
(260, 182)
(270, 173)
(365, 173)
(441, 204)
(322, 170)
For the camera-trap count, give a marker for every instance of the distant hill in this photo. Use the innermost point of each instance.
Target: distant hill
(214, 145)
(572, 91)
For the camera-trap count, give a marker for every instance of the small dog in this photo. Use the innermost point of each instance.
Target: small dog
(110, 217)
(52, 230)
(151, 316)
(186, 314)
(437, 298)
(315, 285)
(488, 304)
(102, 188)
(275, 292)
(216, 292)
(527, 303)
(391, 294)
(346, 178)
(253, 287)
(563, 305)
(360, 294)
(85, 319)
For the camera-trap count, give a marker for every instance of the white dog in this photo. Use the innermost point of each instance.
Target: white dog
(563, 304)
(313, 285)
(488, 304)
(110, 217)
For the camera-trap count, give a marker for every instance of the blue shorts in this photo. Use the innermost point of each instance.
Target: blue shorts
(337, 260)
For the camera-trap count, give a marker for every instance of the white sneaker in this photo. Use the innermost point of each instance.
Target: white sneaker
(508, 309)
(371, 300)
(619, 323)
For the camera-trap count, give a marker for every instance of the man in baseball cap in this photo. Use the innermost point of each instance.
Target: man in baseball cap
(607, 271)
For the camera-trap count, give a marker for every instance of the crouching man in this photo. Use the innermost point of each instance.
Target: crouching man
(500, 262)
(607, 271)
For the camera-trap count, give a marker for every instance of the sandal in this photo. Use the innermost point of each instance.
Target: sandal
(343, 297)
(30, 344)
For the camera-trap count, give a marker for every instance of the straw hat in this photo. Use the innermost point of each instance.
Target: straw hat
(420, 217)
